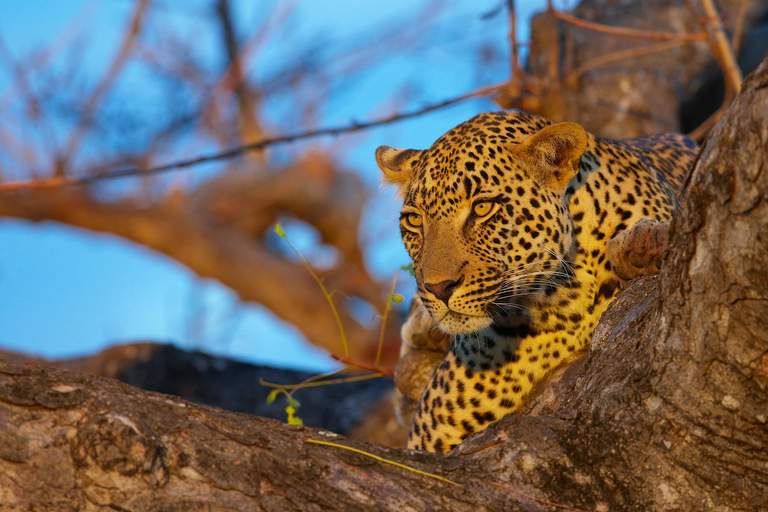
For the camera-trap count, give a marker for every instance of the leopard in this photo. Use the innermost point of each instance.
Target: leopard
(507, 219)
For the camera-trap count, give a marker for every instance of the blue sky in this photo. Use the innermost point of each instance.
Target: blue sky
(65, 292)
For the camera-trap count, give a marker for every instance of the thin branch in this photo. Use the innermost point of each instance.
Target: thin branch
(57, 181)
(106, 82)
(34, 105)
(514, 47)
(721, 49)
(382, 459)
(553, 62)
(738, 29)
(628, 32)
(329, 382)
(629, 53)
(234, 76)
(255, 146)
(357, 364)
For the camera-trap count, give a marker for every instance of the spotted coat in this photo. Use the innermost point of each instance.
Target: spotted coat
(507, 218)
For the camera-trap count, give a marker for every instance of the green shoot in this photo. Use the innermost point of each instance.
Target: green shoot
(323, 379)
(392, 297)
(327, 382)
(328, 296)
(293, 405)
(382, 459)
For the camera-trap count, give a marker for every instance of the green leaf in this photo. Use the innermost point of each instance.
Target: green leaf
(294, 403)
(279, 230)
(272, 395)
(408, 268)
(295, 420)
(290, 410)
(397, 298)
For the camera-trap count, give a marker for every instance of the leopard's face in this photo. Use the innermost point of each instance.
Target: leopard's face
(483, 242)
(483, 216)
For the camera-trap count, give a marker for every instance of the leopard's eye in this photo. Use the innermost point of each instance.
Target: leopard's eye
(413, 219)
(482, 209)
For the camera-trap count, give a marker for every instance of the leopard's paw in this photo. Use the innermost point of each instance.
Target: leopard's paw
(640, 250)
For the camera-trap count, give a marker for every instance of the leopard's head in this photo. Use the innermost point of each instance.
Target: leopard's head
(483, 215)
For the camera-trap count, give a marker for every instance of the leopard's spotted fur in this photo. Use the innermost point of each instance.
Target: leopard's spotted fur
(507, 218)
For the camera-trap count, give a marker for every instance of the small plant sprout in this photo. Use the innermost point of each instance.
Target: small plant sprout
(391, 297)
(324, 379)
(328, 295)
(293, 405)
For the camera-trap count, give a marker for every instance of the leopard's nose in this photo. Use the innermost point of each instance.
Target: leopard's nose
(444, 289)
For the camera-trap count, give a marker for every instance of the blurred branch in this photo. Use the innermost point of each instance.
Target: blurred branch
(724, 55)
(721, 48)
(553, 70)
(33, 110)
(209, 247)
(42, 58)
(627, 32)
(357, 364)
(105, 84)
(515, 69)
(629, 53)
(738, 29)
(255, 146)
(235, 77)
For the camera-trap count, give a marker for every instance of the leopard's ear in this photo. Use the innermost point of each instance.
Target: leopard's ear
(397, 164)
(554, 153)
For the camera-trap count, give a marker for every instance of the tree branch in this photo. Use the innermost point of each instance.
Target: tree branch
(668, 414)
(209, 247)
(126, 47)
(254, 146)
(625, 31)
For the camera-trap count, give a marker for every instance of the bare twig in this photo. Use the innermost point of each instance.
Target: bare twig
(629, 53)
(628, 32)
(738, 29)
(34, 105)
(514, 47)
(382, 459)
(721, 49)
(58, 181)
(355, 378)
(42, 58)
(357, 364)
(255, 146)
(106, 82)
(233, 77)
(553, 62)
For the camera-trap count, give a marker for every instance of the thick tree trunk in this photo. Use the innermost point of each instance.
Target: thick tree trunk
(650, 87)
(668, 414)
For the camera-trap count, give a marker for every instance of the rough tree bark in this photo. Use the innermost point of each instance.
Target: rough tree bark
(644, 91)
(669, 413)
(354, 409)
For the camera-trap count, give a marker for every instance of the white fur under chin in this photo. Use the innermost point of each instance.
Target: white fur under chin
(457, 323)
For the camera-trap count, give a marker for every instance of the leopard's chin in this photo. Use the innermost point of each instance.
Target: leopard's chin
(459, 323)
